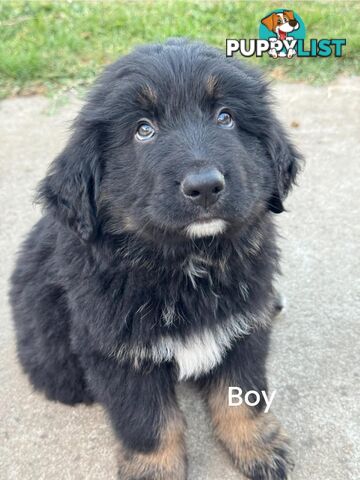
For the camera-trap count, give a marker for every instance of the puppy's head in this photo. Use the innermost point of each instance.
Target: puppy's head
(281, 23)
(175, 140)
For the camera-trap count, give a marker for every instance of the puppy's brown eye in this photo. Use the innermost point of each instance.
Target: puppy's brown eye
(144, 132)
(224, 119)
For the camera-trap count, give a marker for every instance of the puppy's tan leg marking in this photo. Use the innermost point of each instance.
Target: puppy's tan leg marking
(255, 440)
(166, 462)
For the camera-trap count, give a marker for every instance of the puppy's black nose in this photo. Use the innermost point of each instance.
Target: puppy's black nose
(293, 23)
(203, 188)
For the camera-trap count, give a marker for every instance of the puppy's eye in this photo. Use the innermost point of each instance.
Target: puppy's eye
(144, 132)
(224, 119)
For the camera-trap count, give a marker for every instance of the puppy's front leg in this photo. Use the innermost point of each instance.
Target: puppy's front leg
(254, 439)
(145, 416)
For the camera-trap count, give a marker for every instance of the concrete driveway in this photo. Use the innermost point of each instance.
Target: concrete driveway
(314, 365)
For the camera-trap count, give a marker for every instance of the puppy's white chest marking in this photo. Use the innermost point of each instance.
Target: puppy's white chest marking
(199, 354)
(202, 351)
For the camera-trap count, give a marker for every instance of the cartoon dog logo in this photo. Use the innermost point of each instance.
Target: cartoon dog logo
(281, 23)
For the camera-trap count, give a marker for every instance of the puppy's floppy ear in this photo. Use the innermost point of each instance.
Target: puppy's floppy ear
(270, 21)
(286, 162)
(69, 191)
(284, 157)
(290, 14)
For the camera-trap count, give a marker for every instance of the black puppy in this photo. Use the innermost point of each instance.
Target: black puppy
(155, 258)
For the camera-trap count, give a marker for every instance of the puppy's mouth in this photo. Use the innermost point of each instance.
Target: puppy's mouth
(205, 227)
(282, 35)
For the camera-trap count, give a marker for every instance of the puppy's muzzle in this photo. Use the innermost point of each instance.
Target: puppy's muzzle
(203, 188)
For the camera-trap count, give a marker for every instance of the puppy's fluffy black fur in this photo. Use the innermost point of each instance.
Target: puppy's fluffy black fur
(108, 281)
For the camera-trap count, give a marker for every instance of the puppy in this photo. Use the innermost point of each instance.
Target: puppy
(155, 258)
(281, 24)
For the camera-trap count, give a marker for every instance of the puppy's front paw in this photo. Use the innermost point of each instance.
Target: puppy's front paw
(255, 440)
(268, 456)
(167, 461)
(273, 53)
(291, 53)
(154, 466)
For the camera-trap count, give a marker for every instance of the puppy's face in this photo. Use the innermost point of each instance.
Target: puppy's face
(281, 23)
(183, 156)
(185, 145)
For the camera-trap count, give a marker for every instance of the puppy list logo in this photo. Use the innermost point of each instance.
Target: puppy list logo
(282, 35)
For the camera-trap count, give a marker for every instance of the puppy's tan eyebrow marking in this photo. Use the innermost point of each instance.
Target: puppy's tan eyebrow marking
(211, 85)
(148, 95)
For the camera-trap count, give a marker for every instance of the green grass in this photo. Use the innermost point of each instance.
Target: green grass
(49, 45)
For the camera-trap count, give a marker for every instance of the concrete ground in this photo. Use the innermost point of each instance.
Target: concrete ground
(314, 365)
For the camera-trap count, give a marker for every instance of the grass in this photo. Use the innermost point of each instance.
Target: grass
(48, 45)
